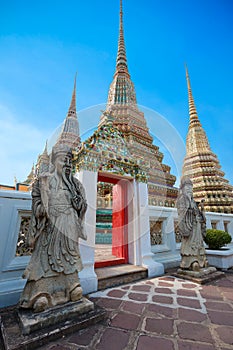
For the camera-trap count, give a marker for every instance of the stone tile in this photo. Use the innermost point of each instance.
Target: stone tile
(162, 299)
(125, 321)
(225, 283)
(211, 292)
(160, 326)
(152, 343)
(166, 284)
(191, 315)
(142, 288)
(150, 283)
(163, 290)
(125, 288)
(221, 317)
(113, 339)
(58, 347)
(138, 296)
(162, 310)
(228, 295)
(132, 307)
(116, 293)
(187, 293)
(225, 334)
(195, 304)
(189, 285)
(214, 305)
(167, 278)
(108, 303)
(187, 345)
(192, 331)
(83, 337)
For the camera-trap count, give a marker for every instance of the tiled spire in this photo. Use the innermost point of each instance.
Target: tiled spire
(44, 156)
(30, 176)
(122, 90)
(121, 62)
(203, 167)
(192, 109)
(43, 161)
(196, 139)
(124, 113)
(70, 132)
(72, 109)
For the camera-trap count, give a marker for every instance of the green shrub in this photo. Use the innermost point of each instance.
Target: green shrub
(215, 239)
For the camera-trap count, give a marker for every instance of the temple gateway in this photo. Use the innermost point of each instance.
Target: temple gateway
(120, 155)
(131, 220)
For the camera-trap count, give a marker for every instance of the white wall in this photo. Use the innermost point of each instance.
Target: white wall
(169, 251)
(15, 204)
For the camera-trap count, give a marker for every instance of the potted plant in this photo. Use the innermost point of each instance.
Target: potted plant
(217, 255)
(216, 239)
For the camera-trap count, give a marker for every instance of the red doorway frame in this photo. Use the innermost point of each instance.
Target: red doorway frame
(119, 221)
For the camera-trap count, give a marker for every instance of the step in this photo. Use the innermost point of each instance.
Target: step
(121, 274)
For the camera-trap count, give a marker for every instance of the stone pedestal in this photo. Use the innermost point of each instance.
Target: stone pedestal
(30, 322)
(25, 330)
(202, 276)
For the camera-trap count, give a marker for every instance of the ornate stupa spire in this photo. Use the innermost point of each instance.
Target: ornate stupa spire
(196, 139)
(30, 176)
(192, 108)
(121, 62)
(72, 109)
(42, 165)
(70, 131)
(202, 165)
(126, 116)
(121, 90)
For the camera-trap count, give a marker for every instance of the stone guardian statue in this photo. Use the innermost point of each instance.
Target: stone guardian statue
(57, 223)
(192, 227)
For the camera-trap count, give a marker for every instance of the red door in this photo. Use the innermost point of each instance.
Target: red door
(119, 222)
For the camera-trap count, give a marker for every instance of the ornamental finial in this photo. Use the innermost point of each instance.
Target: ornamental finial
(192, 108)
(121, 63)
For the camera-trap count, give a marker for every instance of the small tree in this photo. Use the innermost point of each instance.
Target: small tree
(215, 239)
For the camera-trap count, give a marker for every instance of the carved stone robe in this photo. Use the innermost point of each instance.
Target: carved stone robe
(192, 229)
(58, 211)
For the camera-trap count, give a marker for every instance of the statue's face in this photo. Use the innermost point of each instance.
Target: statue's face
(63, 161)
(188, 189)
(67, 164)
(59, 163)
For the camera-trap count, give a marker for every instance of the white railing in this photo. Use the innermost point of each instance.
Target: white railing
(15, 209)
(168, 251)
(14, 206)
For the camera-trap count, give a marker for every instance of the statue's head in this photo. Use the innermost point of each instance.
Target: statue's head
(186, 185)
(61, 157)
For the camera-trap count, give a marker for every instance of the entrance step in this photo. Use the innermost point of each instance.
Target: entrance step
(116, 275)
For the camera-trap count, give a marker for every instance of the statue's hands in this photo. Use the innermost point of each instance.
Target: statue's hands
(40, 211)
(77, 202)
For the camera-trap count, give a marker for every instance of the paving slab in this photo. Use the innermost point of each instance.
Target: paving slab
(163, 326)
(194, 331)
(225, 334)
(159, 313)
(151, 343)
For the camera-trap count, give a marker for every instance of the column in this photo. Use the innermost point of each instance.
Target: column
(88, 278)
(141, 240)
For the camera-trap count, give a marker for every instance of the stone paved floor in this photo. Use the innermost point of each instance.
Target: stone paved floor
(164, 313)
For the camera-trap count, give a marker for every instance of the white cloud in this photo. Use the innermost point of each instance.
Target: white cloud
(20, 144)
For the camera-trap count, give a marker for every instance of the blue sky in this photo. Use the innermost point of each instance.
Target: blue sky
(43, 44)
